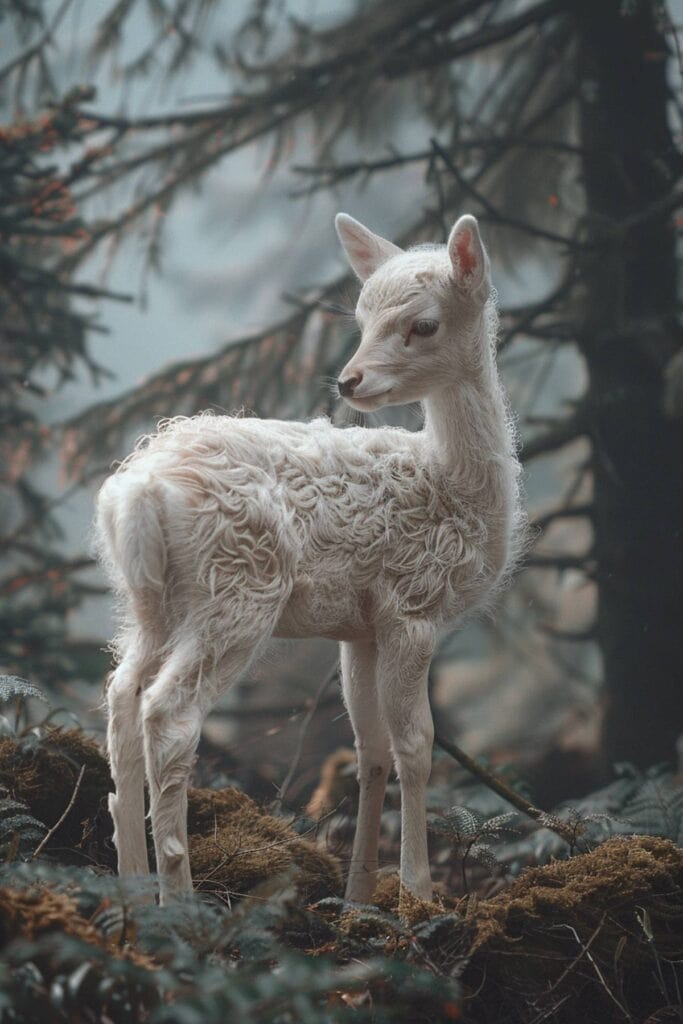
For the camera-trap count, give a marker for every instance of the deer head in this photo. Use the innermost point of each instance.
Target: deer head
(419, 313)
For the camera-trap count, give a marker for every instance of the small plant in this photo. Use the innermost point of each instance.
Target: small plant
(466, 831)
(655, 807)
(19, 830)
(575, 822)
(119, 959)
(18, 691)
(24, 726)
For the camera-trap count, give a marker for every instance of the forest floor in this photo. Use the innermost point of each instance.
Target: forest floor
(523, 927)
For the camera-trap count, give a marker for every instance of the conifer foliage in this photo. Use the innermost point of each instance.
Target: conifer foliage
(540, 143)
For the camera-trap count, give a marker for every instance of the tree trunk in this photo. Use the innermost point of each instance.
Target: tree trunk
(629, 334)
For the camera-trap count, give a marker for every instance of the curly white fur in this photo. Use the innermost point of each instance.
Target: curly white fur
(219, 532)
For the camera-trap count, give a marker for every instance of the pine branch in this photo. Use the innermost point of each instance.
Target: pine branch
(497, 216)
(36, 48)
(329, 175)
(295, 90)
(492, 34)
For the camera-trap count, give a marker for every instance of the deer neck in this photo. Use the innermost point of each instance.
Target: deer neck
(467, 428)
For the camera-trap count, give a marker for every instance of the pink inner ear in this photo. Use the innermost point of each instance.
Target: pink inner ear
(466, 258)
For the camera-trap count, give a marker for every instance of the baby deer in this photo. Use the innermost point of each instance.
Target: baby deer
(220, 532)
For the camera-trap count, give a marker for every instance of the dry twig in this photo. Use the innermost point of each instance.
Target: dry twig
(48, 836)
(502, 789)
(332, 674)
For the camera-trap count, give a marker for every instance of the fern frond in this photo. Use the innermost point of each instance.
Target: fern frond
(481, 853)
(20, 823)
(13, 688)
(7, 805)
(500, 823)
(19, 830)
(458, 821)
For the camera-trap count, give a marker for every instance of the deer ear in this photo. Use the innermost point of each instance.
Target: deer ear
(468, 257)
(365, 250)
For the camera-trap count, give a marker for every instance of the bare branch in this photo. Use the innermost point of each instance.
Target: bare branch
(495, 32)
(563, 433)
(495, 783)
(36, 48)
(558, 562)
(573, 512)
(329, 175)
(48, 836)
(329, 678)
(496, 215)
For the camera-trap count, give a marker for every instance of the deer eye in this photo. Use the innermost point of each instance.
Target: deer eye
(424, 328)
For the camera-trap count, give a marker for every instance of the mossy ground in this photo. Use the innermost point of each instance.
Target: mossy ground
(594, 938)
(43, 774)
(234, 845)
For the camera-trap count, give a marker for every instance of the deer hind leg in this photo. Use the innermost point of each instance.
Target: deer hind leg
(403, 662)
(174, 708)
(358, 660)
(126, 757)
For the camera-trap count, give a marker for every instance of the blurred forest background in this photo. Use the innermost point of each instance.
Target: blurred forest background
(169, 172)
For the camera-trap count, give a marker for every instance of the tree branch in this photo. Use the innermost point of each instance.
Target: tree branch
(557, 562)
(563, 433)
(48, 835)
(329, 678)
(481, 39)
(495, 783)
(494, 213)
(573, 512)
(35, 48)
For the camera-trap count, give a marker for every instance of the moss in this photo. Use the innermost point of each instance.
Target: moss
(390, 896)
(235, 846)
(44, 776)
(616, 874)
(207, 808)
(35, 912)
(595, 938)
(593, 932)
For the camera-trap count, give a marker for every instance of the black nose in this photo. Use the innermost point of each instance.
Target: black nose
(346, 387)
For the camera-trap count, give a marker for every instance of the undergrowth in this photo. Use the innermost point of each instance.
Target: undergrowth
(593, 937)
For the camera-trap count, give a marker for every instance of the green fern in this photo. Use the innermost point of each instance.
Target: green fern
(14, 688)
(217, 965)
(637, 803)
(19, 830)
(17, 690)
(466, 831)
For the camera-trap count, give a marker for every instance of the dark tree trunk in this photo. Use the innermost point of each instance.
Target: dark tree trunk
(629, 334)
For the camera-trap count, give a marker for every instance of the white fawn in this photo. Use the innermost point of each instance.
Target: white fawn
(221, 531)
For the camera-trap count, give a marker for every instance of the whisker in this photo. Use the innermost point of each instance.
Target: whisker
(328, 383)
(336, 309)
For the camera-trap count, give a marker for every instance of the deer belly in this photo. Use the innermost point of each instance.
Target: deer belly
(328, 608)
